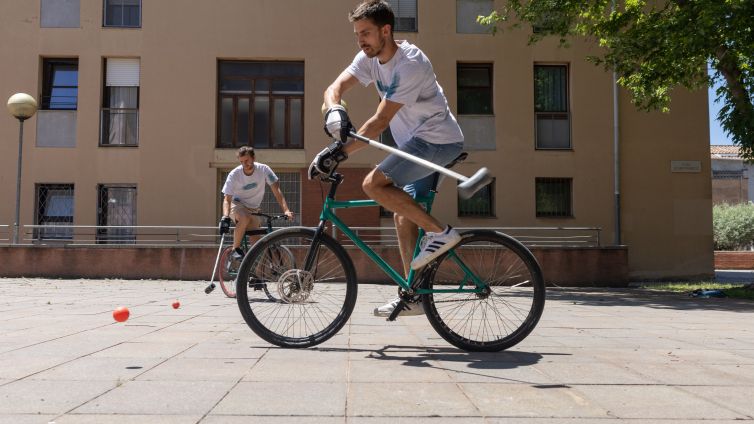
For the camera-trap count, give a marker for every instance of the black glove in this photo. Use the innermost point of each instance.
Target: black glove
(224, 225)
(327, 160)
(337, 124)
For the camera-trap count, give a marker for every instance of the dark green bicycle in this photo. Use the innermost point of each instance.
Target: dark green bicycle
(485, 294)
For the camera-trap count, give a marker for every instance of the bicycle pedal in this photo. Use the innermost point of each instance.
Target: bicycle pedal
(398, 309)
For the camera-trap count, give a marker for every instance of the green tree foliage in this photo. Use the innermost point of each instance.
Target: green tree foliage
(733, 226)
(655, 46)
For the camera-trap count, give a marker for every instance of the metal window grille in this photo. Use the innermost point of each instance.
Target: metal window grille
(54, 207)
(405, 15)
(553, 126)
(474, 88)
(122, 13)
(728, 175)
(290, 185)
(554, 197)
(60, 86)
(261, 104)
(116, 206)
(481, 204)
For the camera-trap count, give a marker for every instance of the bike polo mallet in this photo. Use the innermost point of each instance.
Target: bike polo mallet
(211, 285)
(468, 186)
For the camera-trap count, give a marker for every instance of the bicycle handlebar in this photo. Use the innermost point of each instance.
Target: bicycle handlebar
(271, 217)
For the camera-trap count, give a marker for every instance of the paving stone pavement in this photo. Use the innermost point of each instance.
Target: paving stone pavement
(597, 356)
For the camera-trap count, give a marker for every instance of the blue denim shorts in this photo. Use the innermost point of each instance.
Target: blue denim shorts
(415, 179)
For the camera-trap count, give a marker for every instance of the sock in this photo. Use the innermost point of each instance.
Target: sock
(239, 251)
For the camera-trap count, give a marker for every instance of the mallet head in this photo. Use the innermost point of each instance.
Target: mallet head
(476, 182)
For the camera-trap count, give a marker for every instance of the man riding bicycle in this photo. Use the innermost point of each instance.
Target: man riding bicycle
(414, 106)
(244, 190)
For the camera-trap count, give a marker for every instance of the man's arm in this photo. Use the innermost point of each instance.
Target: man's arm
(335, 91)
(275, 187)
(226, 204)
(375, 125)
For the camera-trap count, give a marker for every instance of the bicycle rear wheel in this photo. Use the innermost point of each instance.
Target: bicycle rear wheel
(509, 309)
(305, 307)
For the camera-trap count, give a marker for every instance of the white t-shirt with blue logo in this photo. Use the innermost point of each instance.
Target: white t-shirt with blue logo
(409, 79)
(248, 190)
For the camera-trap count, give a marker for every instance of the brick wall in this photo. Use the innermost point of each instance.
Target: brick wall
(568, 266)
(734, 260)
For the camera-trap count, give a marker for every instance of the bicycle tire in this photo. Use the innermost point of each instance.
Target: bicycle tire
(225, 276)
(495, 321)
(307, 307)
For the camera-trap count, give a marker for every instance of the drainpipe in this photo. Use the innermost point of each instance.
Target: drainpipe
(616, 154)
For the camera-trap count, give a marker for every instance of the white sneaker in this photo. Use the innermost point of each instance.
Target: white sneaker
(388, 308)
(434, 245)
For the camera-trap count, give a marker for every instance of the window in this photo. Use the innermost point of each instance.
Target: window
(466, 14)
(120, 103)
(553, 127)
(386, 137)
(116, 206)
(481, 204)
(60, 85)
(122, 13)
(54, 208)
(474, 88)
(290, 185)
(60, 14)
(553, 197)
(405, 15)
(261, 104)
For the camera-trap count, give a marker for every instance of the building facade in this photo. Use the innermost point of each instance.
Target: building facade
(730, 176)
(144, 103)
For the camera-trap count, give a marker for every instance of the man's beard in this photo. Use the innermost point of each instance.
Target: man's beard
(374, 51)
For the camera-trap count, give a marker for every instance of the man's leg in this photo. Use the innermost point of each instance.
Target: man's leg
(382, 190)
(407, 232)
(242, 221)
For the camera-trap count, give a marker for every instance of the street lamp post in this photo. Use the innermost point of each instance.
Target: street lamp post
(22, 106)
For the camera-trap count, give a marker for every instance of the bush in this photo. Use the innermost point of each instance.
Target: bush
(733, 226)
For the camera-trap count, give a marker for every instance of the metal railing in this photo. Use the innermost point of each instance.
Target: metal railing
(6, 231)
(529, 236)
(206, 236)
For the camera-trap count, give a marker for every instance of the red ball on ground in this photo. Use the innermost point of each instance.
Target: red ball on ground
(176, 304)
(121, 314)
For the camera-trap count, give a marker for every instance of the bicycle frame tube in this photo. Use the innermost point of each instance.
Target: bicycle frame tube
(328, 214)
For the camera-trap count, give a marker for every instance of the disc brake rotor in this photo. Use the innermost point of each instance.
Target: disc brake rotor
(295, 285)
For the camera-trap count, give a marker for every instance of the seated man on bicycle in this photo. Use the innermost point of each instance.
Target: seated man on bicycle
(244, 190)
(414, 106)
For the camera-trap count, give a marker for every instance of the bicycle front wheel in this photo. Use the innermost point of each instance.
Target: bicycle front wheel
(228, 269)
(290, 306)
(510, 305)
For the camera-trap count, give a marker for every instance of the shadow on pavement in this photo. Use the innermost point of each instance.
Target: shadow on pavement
(645, 298)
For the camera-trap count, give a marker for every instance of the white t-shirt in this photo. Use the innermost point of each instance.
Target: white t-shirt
(248, 190)
(408, 78)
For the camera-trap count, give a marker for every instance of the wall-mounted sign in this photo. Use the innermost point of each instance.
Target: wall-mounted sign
(685, 166)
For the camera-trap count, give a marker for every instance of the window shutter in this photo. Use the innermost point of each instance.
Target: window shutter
(122, 72)
(404, 8)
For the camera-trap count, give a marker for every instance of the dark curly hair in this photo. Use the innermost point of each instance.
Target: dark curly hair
(378, 11)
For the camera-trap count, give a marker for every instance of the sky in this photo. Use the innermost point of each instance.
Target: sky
(716, 133)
